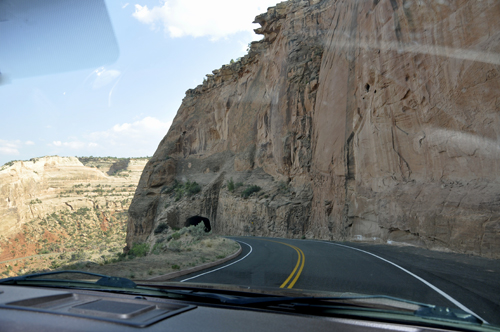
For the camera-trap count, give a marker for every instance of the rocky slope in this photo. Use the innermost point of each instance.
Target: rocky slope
(60, 202)
(360, 120)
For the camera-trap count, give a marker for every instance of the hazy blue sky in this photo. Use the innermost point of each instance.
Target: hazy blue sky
(125, 108)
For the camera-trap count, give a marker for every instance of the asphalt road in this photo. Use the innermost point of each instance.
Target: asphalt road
(443, 279)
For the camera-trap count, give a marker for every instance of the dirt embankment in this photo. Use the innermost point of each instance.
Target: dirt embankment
(174, 250)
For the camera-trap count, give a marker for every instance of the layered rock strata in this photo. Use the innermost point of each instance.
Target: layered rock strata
(360, 120)
(36, 188)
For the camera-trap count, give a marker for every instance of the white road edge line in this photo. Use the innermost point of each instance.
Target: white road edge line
(448, 297)
(223, 267)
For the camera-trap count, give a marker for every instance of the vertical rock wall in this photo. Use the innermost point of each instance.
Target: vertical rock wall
(360, 120)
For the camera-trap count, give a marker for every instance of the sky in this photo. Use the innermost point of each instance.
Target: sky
(110, 101)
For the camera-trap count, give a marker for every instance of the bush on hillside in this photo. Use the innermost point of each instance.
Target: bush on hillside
(139, 250)
(161, 228)
(250, 190)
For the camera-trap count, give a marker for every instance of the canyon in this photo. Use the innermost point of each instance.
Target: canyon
(63, 204)
(373, 121)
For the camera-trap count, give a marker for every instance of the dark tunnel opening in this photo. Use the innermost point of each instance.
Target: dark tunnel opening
(196, 220)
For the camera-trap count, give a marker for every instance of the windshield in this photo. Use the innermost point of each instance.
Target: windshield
(349, 148)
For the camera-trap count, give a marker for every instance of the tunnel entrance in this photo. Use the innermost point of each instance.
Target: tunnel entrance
(196, 220)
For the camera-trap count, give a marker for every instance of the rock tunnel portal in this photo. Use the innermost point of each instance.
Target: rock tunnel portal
(193, 221)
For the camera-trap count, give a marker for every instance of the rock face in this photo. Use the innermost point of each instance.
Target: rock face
(360, 120)
(33, 189)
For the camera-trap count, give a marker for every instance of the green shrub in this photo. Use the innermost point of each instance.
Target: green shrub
(250, 190)
(176, 267)
(156, 249)
(283, 187)
(230, 185)
(176, 236)
(161, 228)
(82, 211)
(175, 245)
(192, 188)
(170, 189)
(198, 231)
(179, 192)
(139, 250)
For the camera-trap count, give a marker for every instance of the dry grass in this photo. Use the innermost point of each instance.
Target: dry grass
(190, 254)
(79, 243)
(61, 238)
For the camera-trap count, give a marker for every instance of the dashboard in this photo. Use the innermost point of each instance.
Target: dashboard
(47, 309)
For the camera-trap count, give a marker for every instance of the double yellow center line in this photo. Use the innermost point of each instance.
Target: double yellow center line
(297, 270)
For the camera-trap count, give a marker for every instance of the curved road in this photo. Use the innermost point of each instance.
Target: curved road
(409, 273)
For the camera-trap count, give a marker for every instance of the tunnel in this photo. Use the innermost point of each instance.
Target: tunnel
(196, 220)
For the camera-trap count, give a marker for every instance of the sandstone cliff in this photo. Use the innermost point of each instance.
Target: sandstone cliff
(87, 191)
(360, 120)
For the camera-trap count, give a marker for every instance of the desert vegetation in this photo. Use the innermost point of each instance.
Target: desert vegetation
(78, 221)
(171, 251)
(92, 240)
(179, 190)
(250, 190)
(63, 237)
(246, 192)
(232, 186)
